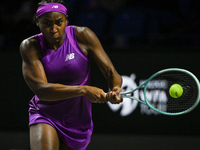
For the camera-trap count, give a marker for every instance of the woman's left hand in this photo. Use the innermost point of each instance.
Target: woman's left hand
(113, 96)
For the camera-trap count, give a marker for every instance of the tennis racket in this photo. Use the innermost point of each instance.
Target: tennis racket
(171, 106)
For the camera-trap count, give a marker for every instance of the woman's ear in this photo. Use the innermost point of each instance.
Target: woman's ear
(36, 20)
(66, 20)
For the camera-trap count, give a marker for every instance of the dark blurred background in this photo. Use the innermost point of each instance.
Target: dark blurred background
(140, 37)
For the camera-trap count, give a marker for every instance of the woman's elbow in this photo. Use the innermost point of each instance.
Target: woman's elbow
(40, 91)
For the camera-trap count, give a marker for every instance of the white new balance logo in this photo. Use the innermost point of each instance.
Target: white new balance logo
(55, 6)
(69, 56)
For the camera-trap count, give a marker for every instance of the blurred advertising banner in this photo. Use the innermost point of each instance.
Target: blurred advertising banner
(156, 93)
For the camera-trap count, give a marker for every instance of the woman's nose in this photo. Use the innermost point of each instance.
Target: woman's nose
(54, 28)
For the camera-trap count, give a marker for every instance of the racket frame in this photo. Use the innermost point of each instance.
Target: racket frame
(146, 102)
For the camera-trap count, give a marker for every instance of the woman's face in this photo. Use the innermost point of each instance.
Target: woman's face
(52, 25)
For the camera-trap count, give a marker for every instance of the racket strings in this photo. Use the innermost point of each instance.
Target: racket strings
(188, 98)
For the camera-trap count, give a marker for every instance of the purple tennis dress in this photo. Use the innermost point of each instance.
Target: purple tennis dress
(72, 117)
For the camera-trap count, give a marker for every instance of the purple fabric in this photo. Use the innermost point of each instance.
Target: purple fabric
(72, 118)
(51, 7)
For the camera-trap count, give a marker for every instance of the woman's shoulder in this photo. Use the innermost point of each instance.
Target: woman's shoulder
(80, 30)
(29, 44)
(84, 34)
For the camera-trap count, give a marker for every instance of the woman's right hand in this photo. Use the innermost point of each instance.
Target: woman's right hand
(94, 94)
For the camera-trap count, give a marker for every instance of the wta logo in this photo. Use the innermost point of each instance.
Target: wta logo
(156, 94)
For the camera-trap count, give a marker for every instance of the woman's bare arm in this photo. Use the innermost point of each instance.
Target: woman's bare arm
(90, 44)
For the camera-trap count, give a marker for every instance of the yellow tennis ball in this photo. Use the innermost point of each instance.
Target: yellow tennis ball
(176, 91)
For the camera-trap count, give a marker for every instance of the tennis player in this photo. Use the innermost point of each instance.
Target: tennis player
(56, 67)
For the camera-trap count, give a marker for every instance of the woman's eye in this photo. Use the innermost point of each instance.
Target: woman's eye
(47, 23)
(59, 22)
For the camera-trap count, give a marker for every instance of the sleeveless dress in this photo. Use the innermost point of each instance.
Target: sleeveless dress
(72, 118)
